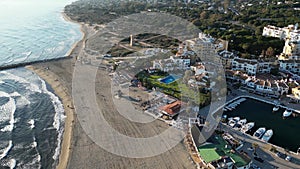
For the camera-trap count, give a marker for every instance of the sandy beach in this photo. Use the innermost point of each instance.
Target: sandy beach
(66, 99)
(78, 151)
(62, 88)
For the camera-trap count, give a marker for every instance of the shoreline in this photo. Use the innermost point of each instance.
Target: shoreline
(60, 88)
(67, 102)
(83, 33)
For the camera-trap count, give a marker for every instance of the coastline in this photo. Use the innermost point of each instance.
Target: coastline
(66, 99)
(63, 90)
(77, 149)
(68, 19)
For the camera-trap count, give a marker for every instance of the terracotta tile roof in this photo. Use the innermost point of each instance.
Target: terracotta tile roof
(260, 82)
(172, 109)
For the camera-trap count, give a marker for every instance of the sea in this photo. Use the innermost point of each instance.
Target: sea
(31, 115)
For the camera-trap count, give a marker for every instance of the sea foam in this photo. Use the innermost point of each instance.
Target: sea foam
(30, 86)
(7, 112)
(6, 150)
(31, 122)
(58, 117)
(12, 163)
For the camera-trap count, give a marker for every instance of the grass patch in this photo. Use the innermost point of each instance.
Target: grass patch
(176, 89)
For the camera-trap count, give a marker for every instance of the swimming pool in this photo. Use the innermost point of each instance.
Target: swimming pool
(169, 79)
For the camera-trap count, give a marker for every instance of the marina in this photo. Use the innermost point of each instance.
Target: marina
(274, 125)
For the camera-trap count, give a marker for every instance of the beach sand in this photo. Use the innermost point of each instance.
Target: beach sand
(78, 151)
(60, 90)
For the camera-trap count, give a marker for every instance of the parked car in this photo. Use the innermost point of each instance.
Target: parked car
(288, 158)
(259, 159)
(280, 155)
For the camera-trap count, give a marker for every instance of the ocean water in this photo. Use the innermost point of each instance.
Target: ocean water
(31, 116)
(33, 30)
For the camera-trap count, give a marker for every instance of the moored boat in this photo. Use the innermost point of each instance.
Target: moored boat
(267, 136)
(247, 127)
(233, 121)
(259, 132)
(240, 123)
(276, 108)
(236, 119)
(287, 113)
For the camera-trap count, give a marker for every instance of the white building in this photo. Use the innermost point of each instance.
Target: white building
(260, 86)
(290, 32)
(290, 65)
(172, 63)
(245, 65)
(291, 35)
(264, 67)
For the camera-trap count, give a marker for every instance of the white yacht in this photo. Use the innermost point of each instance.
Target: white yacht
(276, 108)
(259, 133)
(247, 127)
(240, 123)
(233, 121)
(267, 136)
(287, 113)
(236, 119)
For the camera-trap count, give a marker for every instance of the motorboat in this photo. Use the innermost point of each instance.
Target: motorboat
(233, 121)
(276, 108)
(236, 119)
(247, 127)
(240, 123)
(228, 108)
(287, 113)
(267, 136)
(259, 132)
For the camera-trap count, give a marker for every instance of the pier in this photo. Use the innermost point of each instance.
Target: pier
(32, 62)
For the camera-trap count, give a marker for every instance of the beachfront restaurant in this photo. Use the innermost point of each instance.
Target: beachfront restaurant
(172, 109)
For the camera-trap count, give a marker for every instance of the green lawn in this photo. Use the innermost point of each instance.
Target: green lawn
(176, 89)
(209, 155)
(211, 152)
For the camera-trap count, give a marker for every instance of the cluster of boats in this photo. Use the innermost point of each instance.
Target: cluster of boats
(262, 134)
(233, 105)
(286, 113)
(243, 126)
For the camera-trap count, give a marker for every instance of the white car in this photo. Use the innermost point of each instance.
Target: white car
(288, 158)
